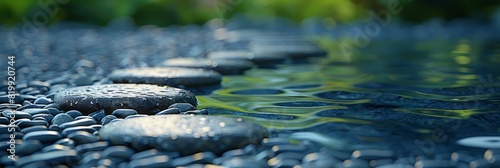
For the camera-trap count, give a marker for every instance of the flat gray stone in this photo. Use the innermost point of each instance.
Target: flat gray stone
(223, 66)
(169, 76)
(43, 136)
(140, 97)
(258, 59)
(184, 133)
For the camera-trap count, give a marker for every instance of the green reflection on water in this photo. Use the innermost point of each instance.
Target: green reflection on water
(425, 65)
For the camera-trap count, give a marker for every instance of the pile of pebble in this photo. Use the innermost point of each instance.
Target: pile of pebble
(122, 107)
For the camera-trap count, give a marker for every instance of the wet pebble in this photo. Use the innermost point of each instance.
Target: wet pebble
(200, 158)
(140, 97)
(319, 160)
(35, 111)
(82, 137)
(169, 111)
(89, 147)
(61, 118)
(167, 76)
(150, 162)
(34, 128)
(481, 142)
(66, 142)
(108, 118)
(238, 162)
(50, 158)
(17, 114)
(182, 106)
(199, 133)
(47, 117)
(98, 115)
(74, 113)
(71, 130)
(43, 136)
(123, 113)
(56, 147)
(82, 122)
(122, 152)
(29, 123)
(43, 100)
(153, 152)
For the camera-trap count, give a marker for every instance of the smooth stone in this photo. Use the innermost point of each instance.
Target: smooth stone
(34, 128)
(123, 113)
(28, 147)
(136, 116)
(96, 127)
(355, 163)
(35, 111)
(290, 155)
(47, 117)
(140, 97)
(30, 106)
(153, 152)
(82, 137)
(158, 161)
(110, 162)
(54, 128)
(270, 142)
(62, 157)
(91, 147)
(43, 136)
(76, 123)
(195, 112)
(480, 163)
(18, 114)
(167, 76)
(199, 133)
(71, 130)
(234, 153)
(26, 124)
(90, 159)
(201, 158)
(481, 142)
(461, 157)
(43, 100)
(169, 111)
(118, 152)
(182, 106)
(74, 113)
(62, 118)
(107, 119)
(66, 142)
(39, 118)
(53, 109)
(263, 59)
(56, 147)
(7, 136)
(98, 115)
(84, 117)
(223, 66)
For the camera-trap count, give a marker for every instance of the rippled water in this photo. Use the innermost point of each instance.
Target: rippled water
(388, 92)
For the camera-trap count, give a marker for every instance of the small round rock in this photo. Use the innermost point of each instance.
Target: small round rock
(169, 76)
(140, 97)
(184, 133)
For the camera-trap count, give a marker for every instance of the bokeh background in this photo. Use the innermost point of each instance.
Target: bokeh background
(182, 12)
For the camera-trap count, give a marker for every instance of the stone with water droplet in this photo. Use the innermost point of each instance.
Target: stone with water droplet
(169, 76)
(183, 133)
(140, 97)
(223, 66)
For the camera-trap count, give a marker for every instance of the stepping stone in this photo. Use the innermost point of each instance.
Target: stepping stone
(167, 76)
(184, 133)
(292, 50)
(140, 97)
(223, 66)
(259, 59)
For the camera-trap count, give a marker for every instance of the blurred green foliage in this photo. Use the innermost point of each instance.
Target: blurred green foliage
(169, 12)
